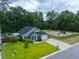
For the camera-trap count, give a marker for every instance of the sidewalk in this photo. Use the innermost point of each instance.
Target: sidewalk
(55, 42)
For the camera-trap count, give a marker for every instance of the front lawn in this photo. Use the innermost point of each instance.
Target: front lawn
(34, 51)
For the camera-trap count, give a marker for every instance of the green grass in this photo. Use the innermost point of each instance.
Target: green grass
(34, 51)
(45, 30)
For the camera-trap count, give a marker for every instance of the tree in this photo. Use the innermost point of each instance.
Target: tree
(4, 6)
(16, 18)
(76, 22)
(64, 21)
(51, 16)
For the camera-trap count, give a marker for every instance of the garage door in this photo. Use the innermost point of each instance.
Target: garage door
(44, 37)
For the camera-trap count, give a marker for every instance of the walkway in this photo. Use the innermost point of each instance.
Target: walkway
(61, 45)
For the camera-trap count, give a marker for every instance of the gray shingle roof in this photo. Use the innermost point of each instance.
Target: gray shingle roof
(70, 53)
(40, 33)
(25, 30)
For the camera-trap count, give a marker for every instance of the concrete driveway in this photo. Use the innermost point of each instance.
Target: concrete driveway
(58, 43)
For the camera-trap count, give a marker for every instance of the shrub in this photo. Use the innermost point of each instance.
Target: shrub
(22, 40)
(27, 39)
(26, 45)
(14, 39)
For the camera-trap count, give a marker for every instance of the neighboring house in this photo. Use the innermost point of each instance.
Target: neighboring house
(3, 36)
(34, 33)
(70, 53)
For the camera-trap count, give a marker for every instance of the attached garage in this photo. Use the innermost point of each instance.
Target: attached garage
(39, 36)
(44, 37)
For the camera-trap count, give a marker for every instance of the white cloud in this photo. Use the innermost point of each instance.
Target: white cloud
(70, 5)
(47, 5)
(73, 5)
(30, 5)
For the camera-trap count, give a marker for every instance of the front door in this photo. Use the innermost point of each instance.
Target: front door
(34, 38)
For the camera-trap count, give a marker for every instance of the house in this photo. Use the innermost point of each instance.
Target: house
(34, 33)
(70, 53)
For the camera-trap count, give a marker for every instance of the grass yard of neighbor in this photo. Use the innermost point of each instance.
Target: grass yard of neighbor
(71, 39)
(34, 51)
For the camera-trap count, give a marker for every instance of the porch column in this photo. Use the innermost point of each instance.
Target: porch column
(35, 37)
(31, 37)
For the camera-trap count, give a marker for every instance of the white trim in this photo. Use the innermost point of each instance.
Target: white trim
(36, 36)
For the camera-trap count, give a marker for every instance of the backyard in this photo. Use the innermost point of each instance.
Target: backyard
(34, 51)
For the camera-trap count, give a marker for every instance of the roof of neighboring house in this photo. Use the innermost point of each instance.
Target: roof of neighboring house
(25, 30)
(70, 53)
(40, 33)
(15, 33)
(5, 34)
(2, 34)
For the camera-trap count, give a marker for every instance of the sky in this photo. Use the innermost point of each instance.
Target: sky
(47, 5)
